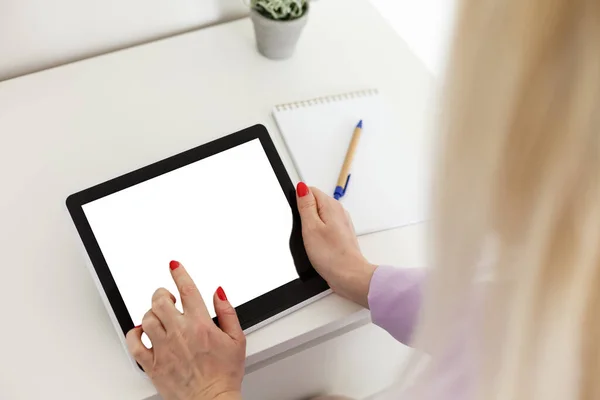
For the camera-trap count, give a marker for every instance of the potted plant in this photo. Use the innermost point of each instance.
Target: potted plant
(277, 25)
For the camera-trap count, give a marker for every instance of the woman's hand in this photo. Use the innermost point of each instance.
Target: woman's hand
(191, 358)
(332, 246)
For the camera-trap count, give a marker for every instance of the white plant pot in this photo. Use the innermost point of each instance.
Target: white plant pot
(277, 39)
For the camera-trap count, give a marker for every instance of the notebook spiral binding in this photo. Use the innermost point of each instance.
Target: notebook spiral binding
(327, 99)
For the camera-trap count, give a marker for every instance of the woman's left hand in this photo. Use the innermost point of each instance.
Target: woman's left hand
(191, 358)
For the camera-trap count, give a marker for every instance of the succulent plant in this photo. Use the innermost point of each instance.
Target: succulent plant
(280, 10)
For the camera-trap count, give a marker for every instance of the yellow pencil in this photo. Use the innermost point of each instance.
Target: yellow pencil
(342, 183)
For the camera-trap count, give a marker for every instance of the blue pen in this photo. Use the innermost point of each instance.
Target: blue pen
(344, 179)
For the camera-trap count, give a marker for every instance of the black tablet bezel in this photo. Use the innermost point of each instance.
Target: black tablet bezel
(250, 313)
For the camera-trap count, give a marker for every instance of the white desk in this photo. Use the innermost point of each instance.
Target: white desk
(68, 128)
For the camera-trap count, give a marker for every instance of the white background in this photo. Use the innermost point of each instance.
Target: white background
(225, 218)
(37, 34)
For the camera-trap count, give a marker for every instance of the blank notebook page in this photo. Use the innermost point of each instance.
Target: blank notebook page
(387, 184)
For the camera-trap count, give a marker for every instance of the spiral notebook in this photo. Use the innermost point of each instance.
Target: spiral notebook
(387, 188)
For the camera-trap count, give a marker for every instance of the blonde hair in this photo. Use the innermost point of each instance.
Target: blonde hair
(520, 169)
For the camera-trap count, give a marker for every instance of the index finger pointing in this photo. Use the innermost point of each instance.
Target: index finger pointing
(191, 300)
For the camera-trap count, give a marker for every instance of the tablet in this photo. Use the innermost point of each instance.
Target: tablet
(226, 210)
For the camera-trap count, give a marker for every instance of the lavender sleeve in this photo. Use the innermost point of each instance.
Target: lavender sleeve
(395, 300)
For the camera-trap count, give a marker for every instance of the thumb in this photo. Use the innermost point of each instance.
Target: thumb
(228, 319)
(307, 206)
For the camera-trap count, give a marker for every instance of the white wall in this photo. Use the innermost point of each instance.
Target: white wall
(37, 34)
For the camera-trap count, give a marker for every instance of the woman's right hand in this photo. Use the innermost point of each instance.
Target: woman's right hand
(332, 246)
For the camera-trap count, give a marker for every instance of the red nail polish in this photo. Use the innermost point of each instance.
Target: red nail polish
(221, 294)
(174, 265)
(302, 189)
(138, 326)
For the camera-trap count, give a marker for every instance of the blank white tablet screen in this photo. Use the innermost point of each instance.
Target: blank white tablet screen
(225, 218)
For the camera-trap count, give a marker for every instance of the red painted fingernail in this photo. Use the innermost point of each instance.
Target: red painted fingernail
(174, 265)
(138, 326)
(221, 294)
(302, 189)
